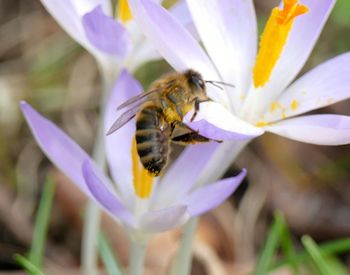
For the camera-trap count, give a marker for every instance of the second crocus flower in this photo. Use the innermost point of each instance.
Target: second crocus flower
(143, 204)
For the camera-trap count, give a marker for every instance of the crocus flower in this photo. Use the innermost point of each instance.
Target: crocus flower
(264, 97)
(143, 204)
(116, 43)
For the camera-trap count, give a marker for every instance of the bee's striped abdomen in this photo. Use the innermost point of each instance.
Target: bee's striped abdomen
(152, 139)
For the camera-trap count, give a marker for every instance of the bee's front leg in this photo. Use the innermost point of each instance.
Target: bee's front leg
(196, 109)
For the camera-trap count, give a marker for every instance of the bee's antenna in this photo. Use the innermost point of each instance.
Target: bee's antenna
(215, 83)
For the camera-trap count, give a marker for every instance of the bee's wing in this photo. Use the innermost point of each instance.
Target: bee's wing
(139, 98)
(124, 118)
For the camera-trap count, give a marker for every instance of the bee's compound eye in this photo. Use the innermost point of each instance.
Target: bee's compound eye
(195, 79)
(201, 83)
(198, 82)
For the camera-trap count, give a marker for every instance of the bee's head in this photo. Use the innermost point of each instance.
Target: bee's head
(195, 80)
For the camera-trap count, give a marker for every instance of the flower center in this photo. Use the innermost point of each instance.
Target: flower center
(143, 180)
(273, 39)
(124, 12)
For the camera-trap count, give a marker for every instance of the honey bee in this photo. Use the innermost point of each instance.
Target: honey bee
(159, 116)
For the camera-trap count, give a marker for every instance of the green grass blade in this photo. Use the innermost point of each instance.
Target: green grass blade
(337, 266)
(112, 265)
(27, 265)
(316, 256)
(329, 248)
(271, 246)
(41, 224)
(288, 248)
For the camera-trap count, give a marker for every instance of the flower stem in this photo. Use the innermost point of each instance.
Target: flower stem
(137, 258)
(219, 162)
(93, 216)
(89, 242)
(182, 264)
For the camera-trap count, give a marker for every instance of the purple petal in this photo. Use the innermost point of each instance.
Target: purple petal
(315, 129)
(118, 144)
(171, 39)
(67, 17)
(104, 196)
(184, 172)
(215, 122)
(228, 30)
(58, 147)
(164, 219)
(210, 196)
(105, 33)
(326, 84)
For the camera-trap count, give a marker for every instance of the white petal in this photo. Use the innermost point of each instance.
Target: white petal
(118, 144)
(224, 125)
(315, 129)
(84, 6)
(301, 40)
(229, 33)
(326, 84)
(164, 219)
(171, 39)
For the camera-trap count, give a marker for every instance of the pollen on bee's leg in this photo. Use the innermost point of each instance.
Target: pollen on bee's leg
(274, 38)
(143, 180)
(123, 11)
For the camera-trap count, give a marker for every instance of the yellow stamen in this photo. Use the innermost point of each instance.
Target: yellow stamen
(124, 12)
(294, 105)
(273, 39)
(274, 106)
(261, 123)
(143, 180)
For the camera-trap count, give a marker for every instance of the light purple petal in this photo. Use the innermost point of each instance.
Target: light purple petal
(118, 144)
(184, 172)
(216, 122)
(66, 15)
(181, 12)
(301, 41)
(104, 196)
(210, 196)
(326, 84)
(144, 48)
(58, 147)
(164, 219)
(315, 129)
(228, 30)
(171, 39)
(105, 33)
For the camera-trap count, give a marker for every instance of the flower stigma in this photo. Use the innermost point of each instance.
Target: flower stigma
(124, 12)
(143, 180)
(273, 39)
